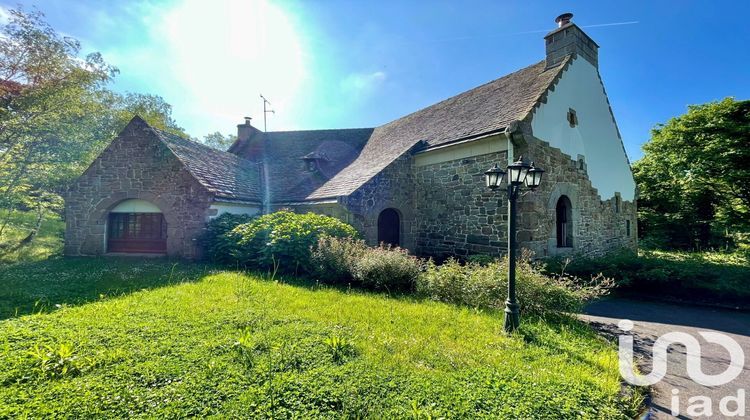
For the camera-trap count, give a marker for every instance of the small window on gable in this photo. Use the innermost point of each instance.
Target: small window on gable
(572, 117)
(627, 228)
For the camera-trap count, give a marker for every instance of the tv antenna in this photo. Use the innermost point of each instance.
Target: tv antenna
(265, 112)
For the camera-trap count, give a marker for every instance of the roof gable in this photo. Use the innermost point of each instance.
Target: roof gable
(482, 110)
(223, 174)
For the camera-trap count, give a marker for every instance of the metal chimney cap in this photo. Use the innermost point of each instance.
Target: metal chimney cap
(247, 120)
(563, 19)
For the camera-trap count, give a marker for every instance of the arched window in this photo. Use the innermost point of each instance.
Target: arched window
(389, 227)
(564, 222)
(136, 226)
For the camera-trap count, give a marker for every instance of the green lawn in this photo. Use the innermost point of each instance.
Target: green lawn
(48, 241)
(121, 338)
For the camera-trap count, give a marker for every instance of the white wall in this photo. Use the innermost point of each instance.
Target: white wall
(222, 208)
(595, 137)
(487, 145)
(135, 205)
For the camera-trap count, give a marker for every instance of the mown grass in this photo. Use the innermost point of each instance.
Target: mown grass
(119, 338)
(48, 241)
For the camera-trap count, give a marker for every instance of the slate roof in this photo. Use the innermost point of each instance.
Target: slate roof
(223, 174)
(354, 156)
(485, 109)
(284, 153)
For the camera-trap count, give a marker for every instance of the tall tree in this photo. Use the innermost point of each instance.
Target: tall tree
(56, 113)
(694, 178)
(47, 96)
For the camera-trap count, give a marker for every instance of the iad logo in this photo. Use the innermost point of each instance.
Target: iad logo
(699, 405)
(659, 357)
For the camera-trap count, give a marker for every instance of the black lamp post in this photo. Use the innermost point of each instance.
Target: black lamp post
(518, 174)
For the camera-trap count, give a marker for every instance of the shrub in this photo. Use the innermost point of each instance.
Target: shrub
(285, 239)
(333, 259)
(217, 242)
(481, 259)
(485, 286)
(342, 260)
(386, 267)
(712, 276)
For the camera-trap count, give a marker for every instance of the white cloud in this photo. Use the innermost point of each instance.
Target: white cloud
(360, 86)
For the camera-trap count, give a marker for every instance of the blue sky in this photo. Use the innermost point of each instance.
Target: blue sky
(333, 63)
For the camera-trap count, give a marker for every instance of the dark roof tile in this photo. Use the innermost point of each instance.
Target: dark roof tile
(223, 174)
(487, 108)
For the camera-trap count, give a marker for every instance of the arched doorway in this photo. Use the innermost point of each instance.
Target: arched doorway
(564, 222)
(389, 227)
(136, 226)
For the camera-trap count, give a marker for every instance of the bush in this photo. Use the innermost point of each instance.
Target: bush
(217, 242)
(481, 259)
(333, 259)
(386, 267)
(701, 276)
(347, 260)
(486, 286)
(284, 239)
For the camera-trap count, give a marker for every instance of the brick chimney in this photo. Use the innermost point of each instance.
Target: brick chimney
(246, 130)
(568, 39)
(248, 140)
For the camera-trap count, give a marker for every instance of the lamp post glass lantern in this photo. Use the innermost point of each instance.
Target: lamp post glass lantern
(534, 176)
(519, 173)
(494, 176)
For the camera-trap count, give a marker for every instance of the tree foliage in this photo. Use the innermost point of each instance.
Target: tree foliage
(56, 113)
(219, 141)
(694, 179)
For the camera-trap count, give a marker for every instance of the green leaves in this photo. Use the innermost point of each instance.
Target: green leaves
(694, 180)
(282, 239)
(56, 113)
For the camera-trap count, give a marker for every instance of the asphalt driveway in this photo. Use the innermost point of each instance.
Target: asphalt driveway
(652, 319)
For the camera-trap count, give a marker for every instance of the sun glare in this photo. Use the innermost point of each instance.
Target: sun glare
(225, 54)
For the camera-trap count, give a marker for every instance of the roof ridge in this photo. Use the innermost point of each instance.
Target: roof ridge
(319, 129)
(484, 109)
(464, 92)
(161, 133)
(221, 173)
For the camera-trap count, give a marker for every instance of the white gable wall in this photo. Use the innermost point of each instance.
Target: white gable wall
(595, 137)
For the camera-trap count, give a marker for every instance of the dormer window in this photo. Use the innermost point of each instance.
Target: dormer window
(313, 160)
(572, 118)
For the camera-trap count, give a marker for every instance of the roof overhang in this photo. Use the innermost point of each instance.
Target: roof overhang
(229, 200)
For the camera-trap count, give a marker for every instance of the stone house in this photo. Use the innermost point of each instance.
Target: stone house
(416, 182)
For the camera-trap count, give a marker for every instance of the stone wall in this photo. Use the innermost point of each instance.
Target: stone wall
(456, 214)
(392, 188)
(135, 165)
(598, 226)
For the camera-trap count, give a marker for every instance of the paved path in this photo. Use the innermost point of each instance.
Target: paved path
(652, 319)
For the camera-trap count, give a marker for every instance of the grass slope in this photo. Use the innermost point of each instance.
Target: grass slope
(160, 339)
(48, 241)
